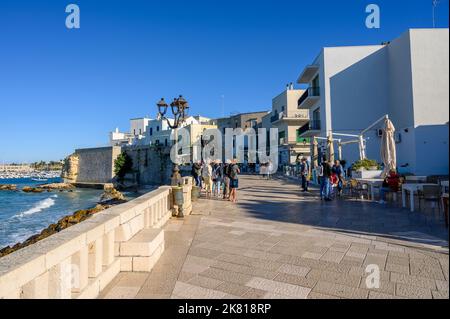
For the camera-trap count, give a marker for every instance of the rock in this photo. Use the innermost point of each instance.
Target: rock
(111, 195)
(70, 168)
(8, 187)
(28, 189)
(57, 186)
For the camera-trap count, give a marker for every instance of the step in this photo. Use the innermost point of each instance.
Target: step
(143, 244)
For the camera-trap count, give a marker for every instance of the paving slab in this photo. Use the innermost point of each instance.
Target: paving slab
(279, 243)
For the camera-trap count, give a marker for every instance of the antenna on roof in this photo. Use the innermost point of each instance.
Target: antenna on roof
(434, 4)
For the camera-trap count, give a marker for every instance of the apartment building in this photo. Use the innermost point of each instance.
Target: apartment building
(287, 118)
(408, 78)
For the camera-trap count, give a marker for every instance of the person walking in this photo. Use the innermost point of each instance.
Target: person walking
(196, 173)
(270, 169)
(325, 175)
(226, 180)
(207, 178)
(304, 174)
(339, 171)
(234, 181)
(217, 175)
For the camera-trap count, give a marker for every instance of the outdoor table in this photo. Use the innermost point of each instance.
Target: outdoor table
(373, 183)
(418, 179)
(444, 185)
(412, 188)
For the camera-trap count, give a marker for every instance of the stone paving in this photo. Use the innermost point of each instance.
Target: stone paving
(278, 243)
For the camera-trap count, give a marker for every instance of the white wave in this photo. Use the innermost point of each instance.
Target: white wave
(39, 207)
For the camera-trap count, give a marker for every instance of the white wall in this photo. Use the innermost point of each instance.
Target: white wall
(430, 81)
(337, 61)
(138, 126)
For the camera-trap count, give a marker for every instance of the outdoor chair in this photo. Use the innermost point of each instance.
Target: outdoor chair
(445, 206)
(431, 194)
(359, 189)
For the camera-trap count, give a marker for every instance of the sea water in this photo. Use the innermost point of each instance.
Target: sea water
(25, 214)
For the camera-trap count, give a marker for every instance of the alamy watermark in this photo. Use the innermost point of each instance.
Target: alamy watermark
(73, 17)
(373, 279)
(244, 146)
(373, 20)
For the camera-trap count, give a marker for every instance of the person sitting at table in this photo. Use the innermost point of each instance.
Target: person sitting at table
(390, 184)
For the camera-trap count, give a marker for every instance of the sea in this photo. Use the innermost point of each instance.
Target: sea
(25, 214)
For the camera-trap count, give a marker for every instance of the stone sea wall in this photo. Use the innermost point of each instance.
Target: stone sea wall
(96, 165)
(151, 165)
(80, 261)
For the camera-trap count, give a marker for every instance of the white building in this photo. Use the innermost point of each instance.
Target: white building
(118, 138)
(408, 79)
(158, 132)
(287, 118)
(138, 128)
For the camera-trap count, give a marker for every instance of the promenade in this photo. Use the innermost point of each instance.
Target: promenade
(278, 243)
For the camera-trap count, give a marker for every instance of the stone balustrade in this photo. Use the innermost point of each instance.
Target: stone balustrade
(80, 261)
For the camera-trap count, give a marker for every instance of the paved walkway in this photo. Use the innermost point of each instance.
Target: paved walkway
(278, 243)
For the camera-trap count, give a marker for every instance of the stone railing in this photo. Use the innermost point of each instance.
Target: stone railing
(80, 261)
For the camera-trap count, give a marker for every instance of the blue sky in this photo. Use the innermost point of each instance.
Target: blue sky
(63, 89)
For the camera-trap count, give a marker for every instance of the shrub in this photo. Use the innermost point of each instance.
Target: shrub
(366, 164)
(122, 165)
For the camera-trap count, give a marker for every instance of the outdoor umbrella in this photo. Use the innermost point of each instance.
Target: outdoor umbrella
(315, 153)
(330, 148)
(388, 152)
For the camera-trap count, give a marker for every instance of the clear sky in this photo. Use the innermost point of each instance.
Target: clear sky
(63, 89)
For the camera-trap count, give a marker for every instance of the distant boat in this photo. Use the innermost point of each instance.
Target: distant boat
(39, 179)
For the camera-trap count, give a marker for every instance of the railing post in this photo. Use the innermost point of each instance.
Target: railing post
(95, 258)
(80, 260)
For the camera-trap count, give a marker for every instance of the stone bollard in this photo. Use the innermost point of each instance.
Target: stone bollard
(178, 200)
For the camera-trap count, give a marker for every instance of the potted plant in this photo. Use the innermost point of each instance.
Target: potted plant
(365, 164)
(366, 168)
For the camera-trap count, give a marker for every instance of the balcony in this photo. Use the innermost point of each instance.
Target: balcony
(309, 98)
(312, 128)
(297, 118)
(308, 74)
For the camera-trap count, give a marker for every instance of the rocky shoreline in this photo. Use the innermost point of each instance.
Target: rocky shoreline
(111, 197)
(60, 187)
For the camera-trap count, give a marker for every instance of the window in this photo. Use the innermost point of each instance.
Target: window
(151, 131)
(316, 115)
(281, 137)
(157, 129)
(315, 82)
(165, 142)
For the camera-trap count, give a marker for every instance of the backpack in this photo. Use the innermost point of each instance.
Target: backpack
(233, 173)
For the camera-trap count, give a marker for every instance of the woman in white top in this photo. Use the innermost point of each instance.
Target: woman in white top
(207, 178)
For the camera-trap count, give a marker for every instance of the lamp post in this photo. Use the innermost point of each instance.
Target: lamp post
(179, 108)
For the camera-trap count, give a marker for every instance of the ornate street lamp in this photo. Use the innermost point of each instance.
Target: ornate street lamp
(179, 108)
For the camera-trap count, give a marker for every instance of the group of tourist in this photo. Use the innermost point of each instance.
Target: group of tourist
(332, 179)
(217, 179)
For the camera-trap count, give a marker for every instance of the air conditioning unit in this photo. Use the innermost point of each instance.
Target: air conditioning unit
(380, 132)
